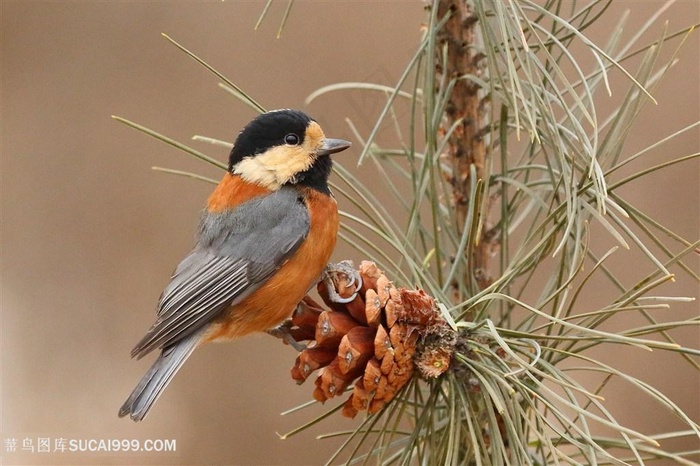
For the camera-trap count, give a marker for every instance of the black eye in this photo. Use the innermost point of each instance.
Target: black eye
(291, 139)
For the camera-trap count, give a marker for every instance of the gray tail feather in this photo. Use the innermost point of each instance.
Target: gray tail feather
(158, 377)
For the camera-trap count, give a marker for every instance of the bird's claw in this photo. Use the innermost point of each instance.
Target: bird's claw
(346, 268)
(283, 332)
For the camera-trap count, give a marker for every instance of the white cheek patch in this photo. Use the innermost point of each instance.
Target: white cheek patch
(253, 172)
(275, 167)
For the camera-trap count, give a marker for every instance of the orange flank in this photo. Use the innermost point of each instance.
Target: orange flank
(233, 191)
(274, 301)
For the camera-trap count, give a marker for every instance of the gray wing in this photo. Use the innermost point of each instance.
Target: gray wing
(236, 252)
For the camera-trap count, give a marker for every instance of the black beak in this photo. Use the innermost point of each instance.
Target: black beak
(331, 146)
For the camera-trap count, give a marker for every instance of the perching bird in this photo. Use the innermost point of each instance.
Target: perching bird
(264, 239)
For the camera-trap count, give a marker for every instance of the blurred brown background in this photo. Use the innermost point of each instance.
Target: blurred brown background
(90, 234)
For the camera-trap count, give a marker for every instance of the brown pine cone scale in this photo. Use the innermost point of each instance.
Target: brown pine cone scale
(370, 339)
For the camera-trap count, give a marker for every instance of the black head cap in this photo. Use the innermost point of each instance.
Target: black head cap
(268, 130)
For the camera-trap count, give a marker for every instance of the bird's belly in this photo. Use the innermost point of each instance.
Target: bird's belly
(275, 300)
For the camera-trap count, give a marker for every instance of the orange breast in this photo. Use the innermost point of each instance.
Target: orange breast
(273, 302)
(232, 191)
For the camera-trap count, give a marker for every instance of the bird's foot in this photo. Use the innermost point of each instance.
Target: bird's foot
(284, 332)
(339, 277)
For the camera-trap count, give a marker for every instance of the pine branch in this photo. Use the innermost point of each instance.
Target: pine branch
(457, 62)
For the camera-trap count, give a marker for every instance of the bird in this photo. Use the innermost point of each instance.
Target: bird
(264, 239)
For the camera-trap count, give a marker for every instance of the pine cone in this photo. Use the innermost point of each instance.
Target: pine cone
(375, 338)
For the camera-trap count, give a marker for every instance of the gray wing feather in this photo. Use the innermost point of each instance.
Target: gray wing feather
(236, 252)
